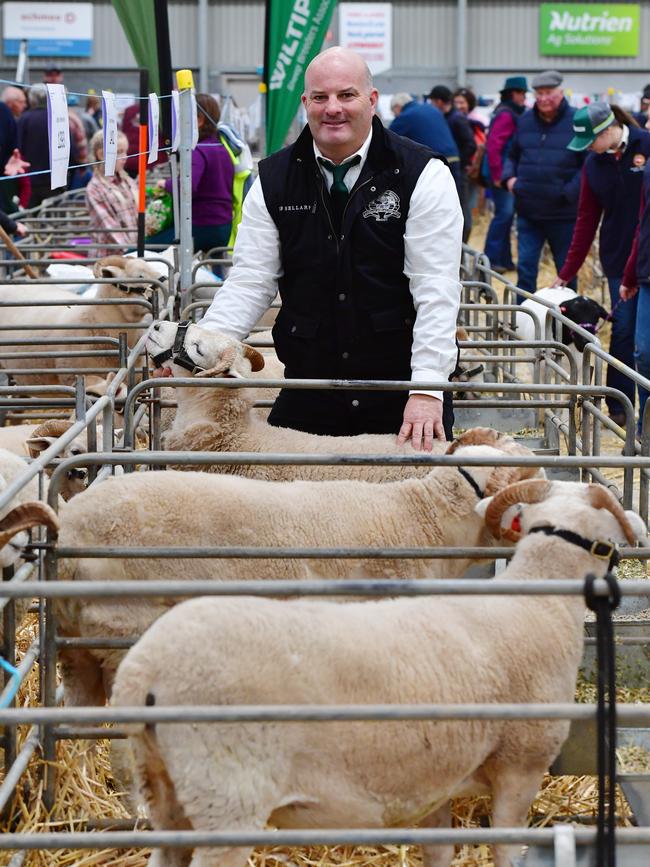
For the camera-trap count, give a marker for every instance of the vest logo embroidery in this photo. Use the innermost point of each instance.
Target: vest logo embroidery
(383, 207)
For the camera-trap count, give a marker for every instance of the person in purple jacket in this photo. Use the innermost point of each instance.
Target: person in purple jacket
(503, 126)
(212, 179)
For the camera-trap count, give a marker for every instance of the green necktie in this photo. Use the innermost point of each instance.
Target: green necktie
(338, 190)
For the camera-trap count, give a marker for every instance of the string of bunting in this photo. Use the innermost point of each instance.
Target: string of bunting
(59, 131)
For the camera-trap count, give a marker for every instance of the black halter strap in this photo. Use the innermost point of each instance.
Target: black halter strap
(470, 481)
(138, 288)
(599, 548)
(181, 356)
(177, 351)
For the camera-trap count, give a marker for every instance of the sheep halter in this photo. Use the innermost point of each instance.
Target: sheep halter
(177, 351)
(470, 481)
(600, 548)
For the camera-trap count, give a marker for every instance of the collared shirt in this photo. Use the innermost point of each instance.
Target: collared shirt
(352, 174)
(432, 250)
(112, 205)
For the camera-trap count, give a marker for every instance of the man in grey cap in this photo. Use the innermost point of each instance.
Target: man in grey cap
(544, 177)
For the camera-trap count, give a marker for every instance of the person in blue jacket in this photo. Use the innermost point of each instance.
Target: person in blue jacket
(425, 124)
(544, 177)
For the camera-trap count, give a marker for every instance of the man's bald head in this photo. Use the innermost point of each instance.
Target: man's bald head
(341, 58)
(339, 100)
(15, 99)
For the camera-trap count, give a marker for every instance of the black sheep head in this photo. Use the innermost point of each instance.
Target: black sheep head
(585, 312)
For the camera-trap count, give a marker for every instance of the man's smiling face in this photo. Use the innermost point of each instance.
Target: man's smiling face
(340, 101)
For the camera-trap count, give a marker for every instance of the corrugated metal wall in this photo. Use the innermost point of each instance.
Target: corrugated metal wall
(502, 36)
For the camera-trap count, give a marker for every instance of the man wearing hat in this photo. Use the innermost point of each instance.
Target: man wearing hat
(461, 130)
(503, 126)
(52, 74)
(544, 176)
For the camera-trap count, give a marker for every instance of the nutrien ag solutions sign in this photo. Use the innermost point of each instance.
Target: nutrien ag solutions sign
(600, 30)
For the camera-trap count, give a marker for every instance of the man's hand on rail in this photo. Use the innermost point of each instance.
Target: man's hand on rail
(627, 292)
(422, 422)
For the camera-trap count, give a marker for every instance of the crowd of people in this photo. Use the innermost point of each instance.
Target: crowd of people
(555, 171)
(112, 201)
(558, 173)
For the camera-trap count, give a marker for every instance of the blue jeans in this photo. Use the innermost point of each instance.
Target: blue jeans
(621, 344)
(497, 241)
(531, 236)
(642, 342)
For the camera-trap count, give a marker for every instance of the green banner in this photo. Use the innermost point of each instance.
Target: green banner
(139, 24)
(595, 29)
(295, 33)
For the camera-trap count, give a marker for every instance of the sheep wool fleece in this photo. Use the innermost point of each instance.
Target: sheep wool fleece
(347, 311)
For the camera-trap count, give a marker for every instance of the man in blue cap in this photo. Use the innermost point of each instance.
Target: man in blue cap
(503, 126)
(544, 176)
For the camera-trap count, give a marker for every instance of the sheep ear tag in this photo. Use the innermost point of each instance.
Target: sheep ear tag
(515, 525)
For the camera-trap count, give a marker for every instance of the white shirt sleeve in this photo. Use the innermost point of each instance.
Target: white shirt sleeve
(252, 283)
(432, 251)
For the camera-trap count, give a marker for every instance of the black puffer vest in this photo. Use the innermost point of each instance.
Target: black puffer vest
(347, 312)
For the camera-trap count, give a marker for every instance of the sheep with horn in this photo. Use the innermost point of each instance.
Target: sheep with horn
(492, 649)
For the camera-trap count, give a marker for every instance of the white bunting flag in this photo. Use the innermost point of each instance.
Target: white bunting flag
(154, 117)
(58, 126)
(195, 122)
(176, 121)
(109, 115)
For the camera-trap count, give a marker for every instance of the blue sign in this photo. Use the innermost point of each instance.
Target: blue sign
(50, 29)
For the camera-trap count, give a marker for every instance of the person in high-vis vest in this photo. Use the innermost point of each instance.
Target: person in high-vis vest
(360, 231)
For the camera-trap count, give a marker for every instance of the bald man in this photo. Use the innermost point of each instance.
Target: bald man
(360, 231)
(15, 99)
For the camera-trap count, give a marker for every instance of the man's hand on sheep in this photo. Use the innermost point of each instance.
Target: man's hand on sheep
(422, 422)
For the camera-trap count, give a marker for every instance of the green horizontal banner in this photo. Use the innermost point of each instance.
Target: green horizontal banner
(594, 29)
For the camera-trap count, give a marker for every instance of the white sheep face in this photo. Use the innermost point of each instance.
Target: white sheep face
(118, 268)
(569, 505)
(215, 354)
(12, 551)
(161, 337)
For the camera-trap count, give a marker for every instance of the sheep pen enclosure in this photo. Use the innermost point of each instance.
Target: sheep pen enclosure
(64, 791)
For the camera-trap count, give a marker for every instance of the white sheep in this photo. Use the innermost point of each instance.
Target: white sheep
(221, 419)
(173, 508)
(491, 649)
(42, 318)
(33, 439)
